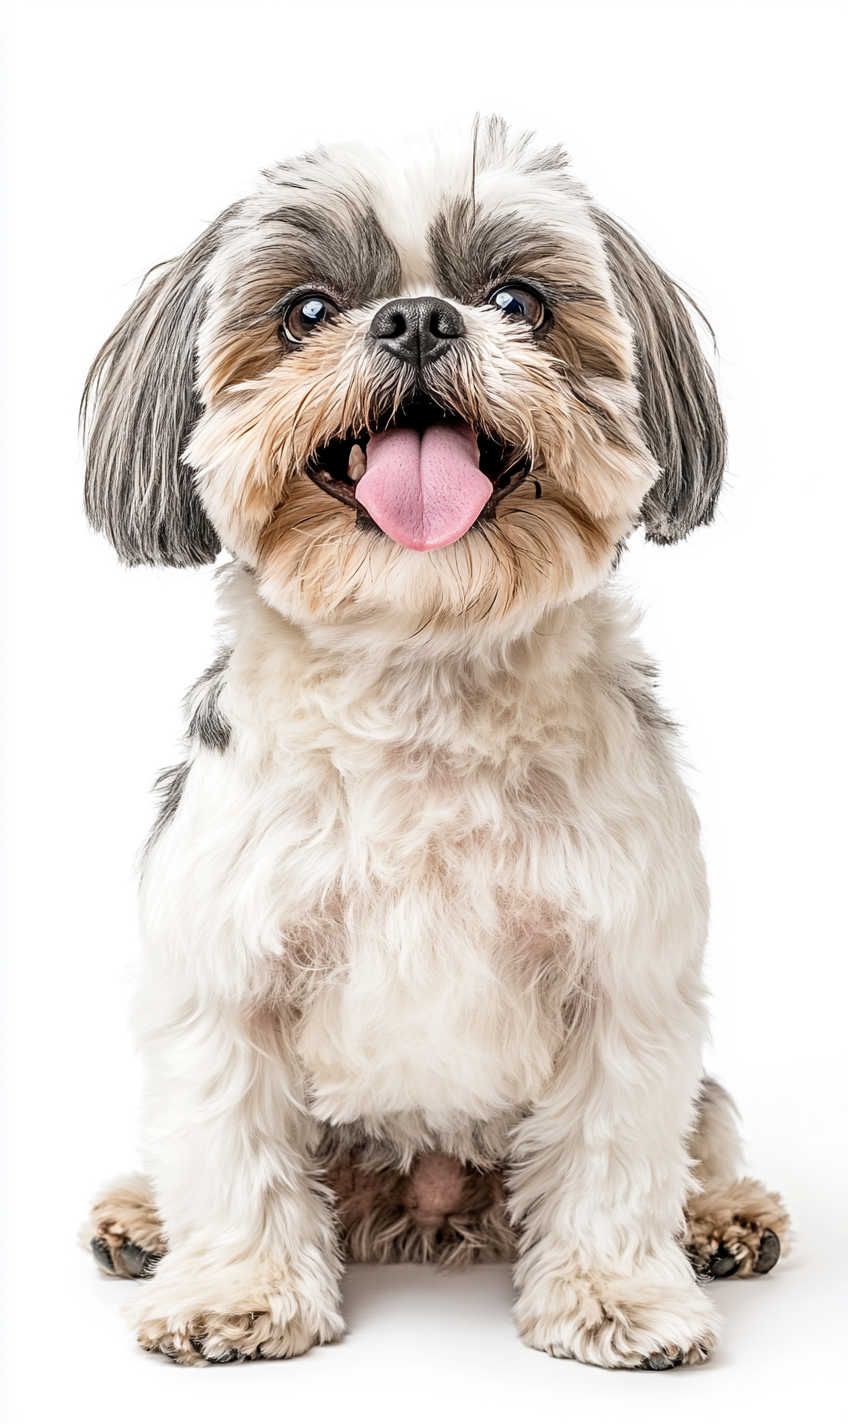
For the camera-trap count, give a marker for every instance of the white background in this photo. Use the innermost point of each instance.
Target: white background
(712, 130)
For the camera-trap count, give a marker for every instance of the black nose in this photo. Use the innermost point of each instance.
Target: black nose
(417, 329)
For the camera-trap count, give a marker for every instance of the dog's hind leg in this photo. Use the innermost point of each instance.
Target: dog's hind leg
(124, 1231)
(734, 1225)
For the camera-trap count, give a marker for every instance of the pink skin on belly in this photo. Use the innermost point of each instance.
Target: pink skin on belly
(424, 491)
(435, 1189)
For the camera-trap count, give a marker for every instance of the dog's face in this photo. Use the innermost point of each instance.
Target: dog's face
(444, 387)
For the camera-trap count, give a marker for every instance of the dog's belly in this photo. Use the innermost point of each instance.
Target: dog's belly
(436, 1016)
(384, 1057)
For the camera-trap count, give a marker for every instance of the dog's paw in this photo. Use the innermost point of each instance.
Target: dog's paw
(637, 1324)
(124, 1232)
(735, 1228)
(216, 1338)
(268, 1319)
(117, 1255)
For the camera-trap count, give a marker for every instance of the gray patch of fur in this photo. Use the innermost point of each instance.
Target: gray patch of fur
(640, 690)
(328, 243)
(207, 726)
(168, 786)
(471, 251)
(680, 411)
(138, 410)
(206, 722)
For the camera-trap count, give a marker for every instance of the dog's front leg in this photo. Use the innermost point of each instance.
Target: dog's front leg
(252, 1267)
(602, 1174)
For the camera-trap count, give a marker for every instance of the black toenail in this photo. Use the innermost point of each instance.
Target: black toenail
(769, 1253)
(699, 1264)
(225, 1359)
(138, 1261)
(659, 1360)
(102, 1254)
(723, 1263)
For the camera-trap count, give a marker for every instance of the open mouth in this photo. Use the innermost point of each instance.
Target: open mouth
(423, 476)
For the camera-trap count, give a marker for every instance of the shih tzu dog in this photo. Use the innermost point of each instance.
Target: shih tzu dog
(424, 907)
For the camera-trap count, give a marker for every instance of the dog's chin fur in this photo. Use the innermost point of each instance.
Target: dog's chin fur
(424, 906)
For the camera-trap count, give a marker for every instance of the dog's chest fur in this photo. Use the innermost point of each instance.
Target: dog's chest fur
(436, 1009)
(411, 836)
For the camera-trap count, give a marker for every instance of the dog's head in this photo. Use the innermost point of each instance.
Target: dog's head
(445, 385)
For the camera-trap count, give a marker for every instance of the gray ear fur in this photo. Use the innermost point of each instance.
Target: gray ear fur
(138, 409)
(681, 415)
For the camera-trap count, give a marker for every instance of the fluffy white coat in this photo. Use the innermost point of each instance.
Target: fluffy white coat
(506, 887)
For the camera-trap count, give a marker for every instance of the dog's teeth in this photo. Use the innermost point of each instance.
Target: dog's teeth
(356, 463)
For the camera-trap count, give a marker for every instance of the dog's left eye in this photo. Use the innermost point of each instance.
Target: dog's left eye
(307, 313)
(519, 302)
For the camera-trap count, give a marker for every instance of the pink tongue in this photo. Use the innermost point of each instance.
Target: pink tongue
(426, 490)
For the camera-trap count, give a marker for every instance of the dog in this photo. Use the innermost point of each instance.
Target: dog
(424, 907)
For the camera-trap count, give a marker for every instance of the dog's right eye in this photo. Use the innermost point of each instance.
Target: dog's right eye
(306, 314)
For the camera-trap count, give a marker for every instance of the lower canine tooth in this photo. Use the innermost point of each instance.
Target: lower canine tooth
(356, 464)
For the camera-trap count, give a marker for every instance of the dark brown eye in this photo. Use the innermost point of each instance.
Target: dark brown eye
(306, 314)
(520, 303)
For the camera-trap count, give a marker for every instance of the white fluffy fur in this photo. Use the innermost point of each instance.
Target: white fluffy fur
(515, 854)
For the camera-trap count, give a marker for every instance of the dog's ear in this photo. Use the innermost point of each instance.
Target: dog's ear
(682, 418)
(138, 409)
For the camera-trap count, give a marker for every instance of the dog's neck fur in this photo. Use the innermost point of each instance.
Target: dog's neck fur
(388, 680)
